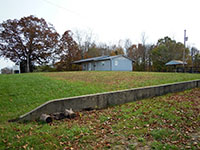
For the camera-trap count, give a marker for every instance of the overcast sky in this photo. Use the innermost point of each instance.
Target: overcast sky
(112, 20)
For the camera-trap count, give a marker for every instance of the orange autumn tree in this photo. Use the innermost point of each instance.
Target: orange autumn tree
(30, 40)
(68, 51)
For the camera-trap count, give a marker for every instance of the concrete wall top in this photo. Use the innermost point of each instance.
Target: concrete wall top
(106, 99)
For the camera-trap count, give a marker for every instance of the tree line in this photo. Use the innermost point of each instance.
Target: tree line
(37, 46)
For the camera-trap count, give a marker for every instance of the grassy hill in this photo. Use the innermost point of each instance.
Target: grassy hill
(21, 93)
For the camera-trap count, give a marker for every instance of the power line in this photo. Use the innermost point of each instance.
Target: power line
(61, 7)
(81, 16)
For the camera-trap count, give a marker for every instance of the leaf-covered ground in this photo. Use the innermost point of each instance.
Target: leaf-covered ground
(170, 122)
(165, 122)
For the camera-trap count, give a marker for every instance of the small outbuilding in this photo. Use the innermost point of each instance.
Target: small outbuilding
(175, 64)
(106, 63)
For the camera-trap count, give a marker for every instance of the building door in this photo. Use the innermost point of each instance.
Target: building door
(93, 66)
(89, 66)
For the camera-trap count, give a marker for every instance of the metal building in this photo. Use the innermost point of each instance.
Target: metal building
(106, 63)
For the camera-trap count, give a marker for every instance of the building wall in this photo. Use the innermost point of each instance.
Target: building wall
(121, 64)
(116, 64)
(86, 67)
(98, 66)
(102, 65)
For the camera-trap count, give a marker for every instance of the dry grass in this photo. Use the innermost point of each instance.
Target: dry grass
(122, 80)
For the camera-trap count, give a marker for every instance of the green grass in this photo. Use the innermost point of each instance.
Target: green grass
(164, 122)
(161, 146)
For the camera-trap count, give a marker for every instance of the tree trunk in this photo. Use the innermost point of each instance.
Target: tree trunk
(28, 64)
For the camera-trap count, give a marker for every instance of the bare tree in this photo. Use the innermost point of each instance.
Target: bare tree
(104, 49)
(194, 53)
(117, 49)
(84, 39)
(143, 50)
(127, 45)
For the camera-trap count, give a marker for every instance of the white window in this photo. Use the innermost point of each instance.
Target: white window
(102, 63)
(116, 62)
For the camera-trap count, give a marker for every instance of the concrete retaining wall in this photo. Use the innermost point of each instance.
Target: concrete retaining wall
(104, 100)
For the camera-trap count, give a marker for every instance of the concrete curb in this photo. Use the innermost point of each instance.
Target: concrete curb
(104, 100)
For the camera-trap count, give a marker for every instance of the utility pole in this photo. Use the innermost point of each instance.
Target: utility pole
(185, 39)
